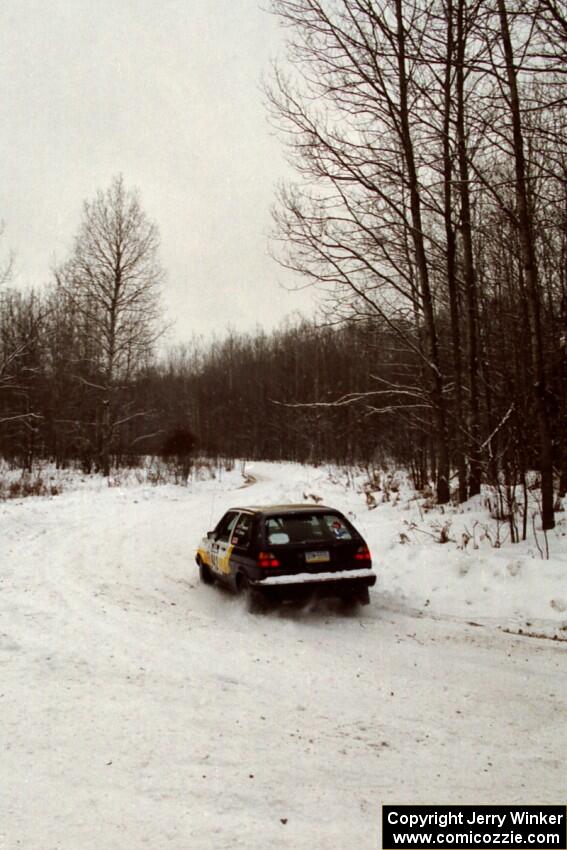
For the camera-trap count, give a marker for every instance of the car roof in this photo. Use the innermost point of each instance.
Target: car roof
(286, 509)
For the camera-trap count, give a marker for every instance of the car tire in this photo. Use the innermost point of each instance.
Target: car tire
(255, 601)
(351, 602)
(205, 573)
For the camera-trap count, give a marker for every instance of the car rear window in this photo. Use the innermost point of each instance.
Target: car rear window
(306, 528)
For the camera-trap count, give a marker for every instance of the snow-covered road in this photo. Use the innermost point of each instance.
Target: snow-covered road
(140, 709)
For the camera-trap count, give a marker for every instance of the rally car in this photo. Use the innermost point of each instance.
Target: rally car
(279, 552)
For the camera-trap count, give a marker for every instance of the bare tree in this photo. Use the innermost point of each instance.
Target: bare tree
(525, 225)
(15, 343)
(526, 91)
(5, 358)
(360, 223)
(113, 280)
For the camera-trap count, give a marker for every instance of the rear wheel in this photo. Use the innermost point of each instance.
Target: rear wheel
(351, 601)
(255, 601)
(205, 573)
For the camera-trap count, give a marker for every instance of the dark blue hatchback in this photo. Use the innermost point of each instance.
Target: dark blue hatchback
(278, 552)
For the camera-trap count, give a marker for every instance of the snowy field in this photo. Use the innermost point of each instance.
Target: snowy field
(140, 709)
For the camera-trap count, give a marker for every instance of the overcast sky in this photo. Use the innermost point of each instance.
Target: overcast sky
(166, 92)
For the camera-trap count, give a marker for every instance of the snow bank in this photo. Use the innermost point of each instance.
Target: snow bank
(510, 586)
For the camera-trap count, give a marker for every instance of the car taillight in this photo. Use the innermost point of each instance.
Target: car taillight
(266, 559)
(363, 554)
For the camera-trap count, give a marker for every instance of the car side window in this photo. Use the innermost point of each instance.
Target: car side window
(225, 526)
(242, 532)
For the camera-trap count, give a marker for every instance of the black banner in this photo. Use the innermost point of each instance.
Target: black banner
(461, 827)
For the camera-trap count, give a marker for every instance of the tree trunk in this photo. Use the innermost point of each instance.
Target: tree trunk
(436, 378)
(450, 236)
(529, 264)
(468, 258)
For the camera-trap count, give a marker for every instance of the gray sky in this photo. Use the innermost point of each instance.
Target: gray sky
(167, 93)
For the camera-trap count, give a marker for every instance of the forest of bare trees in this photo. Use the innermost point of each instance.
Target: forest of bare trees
(429, 207)
(429, 142)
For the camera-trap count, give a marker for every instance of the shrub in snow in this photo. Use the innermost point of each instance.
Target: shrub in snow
(177, 449)
(312, 497)
(27, 485)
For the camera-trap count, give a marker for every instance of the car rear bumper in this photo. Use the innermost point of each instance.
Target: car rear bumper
(337, 583)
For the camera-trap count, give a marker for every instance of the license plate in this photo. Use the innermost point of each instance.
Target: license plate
(317, 557)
